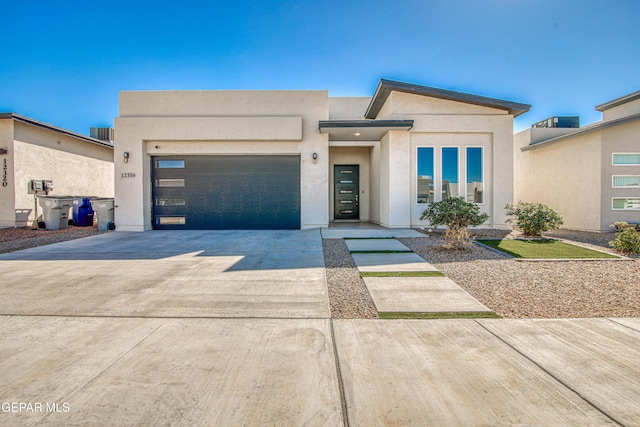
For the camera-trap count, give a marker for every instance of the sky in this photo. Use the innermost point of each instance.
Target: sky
(64, 62)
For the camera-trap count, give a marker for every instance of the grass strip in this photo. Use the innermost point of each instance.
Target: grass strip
(401, 274)
(444, 315)
(382, 252)
(543, 249)
(369, 238)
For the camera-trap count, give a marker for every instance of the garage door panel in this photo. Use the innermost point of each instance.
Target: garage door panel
(228, 192)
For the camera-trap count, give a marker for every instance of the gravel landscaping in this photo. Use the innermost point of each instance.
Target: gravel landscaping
(542, 289)
(348, 295)
(16, 239)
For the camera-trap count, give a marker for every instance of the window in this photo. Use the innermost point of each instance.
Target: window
(449, 172)
(170, 201)
(170, 220)
(628, 181)
(620, 203)
(629, 159)
(475, 181)
(170, 182)
(170, 164)
(425, 174)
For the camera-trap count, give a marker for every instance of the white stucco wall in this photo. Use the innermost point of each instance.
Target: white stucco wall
(440, 123)
(623, 110)
(624, 138)
(348, 108)
(219, 122)
(75, 166)
(7, 188)
(566, 176)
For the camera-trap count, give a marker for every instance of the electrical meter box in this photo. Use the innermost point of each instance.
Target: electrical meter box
(36, 185)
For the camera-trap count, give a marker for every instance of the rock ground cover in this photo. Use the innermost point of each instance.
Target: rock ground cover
(16, 239)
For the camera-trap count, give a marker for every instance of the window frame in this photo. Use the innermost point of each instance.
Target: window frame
(415, 198)
(613, 178)
(441, 180)
(466, 162)
(613, 163)
(624, 198)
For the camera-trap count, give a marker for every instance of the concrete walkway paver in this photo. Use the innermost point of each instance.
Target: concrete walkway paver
(221, 372)
(420, 294)
(375, 245)
(598, 358)
(341, 233)
(447, 372)
(393, 262)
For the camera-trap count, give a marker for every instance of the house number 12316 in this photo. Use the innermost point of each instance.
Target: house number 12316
(127, 175)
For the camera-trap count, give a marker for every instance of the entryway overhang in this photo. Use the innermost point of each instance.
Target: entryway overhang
(361, 130)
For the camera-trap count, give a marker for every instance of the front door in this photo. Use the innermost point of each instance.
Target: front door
(345, 191)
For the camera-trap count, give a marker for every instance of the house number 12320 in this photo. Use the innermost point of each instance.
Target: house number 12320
(5, 182)
(127, 175)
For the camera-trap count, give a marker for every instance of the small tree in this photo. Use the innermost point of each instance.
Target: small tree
(533, 219)
(457, 214)
(627, 238)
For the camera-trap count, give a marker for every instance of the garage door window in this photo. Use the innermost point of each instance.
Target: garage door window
(170, 164)
(170, 201)
(170, 182)
(170, 220)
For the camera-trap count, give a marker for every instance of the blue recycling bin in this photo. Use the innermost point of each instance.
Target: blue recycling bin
(82, 212)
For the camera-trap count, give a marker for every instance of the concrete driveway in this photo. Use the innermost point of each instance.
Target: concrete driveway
(170, 274)
(233, 328)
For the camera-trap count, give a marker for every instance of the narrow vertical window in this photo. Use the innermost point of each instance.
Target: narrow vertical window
(450, 173)
(475, 182)
(425, 174)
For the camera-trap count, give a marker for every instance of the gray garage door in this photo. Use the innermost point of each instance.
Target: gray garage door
(226, 192)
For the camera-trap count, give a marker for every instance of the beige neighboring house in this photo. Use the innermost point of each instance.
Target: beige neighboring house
(590, 175)
(303, 159)
(76, 165)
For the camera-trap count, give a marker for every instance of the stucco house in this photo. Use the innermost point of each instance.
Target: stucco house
(590, 175)
(75, 165)
(303, 159)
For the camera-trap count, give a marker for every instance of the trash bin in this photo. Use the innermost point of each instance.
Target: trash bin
(82, 212)
(55, 211)
(104, 209)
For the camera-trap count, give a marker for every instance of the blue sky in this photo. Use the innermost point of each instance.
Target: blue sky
(64, 61)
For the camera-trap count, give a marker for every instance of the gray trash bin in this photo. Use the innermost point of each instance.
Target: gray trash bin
(55, 211)
(103, 208)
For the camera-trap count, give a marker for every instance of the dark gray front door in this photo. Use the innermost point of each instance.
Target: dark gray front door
(226, 192)
(346, 189)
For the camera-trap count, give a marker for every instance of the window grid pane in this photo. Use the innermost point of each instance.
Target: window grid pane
(170, 164)
(626, 181)
(425, 174)
(626, 159)
(449, 172)
(475, 184)
(626, 204)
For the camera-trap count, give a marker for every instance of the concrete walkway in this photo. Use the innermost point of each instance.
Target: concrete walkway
(402, 293)
(65, 360)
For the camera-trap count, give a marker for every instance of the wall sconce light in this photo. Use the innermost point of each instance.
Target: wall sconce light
(126, 157)
(3, 151)
(315, 157)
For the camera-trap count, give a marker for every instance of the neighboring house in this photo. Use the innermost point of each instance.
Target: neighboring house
(76, 165)
(302, 159)
(590, 175)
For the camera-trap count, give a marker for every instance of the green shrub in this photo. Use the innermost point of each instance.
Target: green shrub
(457, 214)
(533, 219)
(627, 238)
